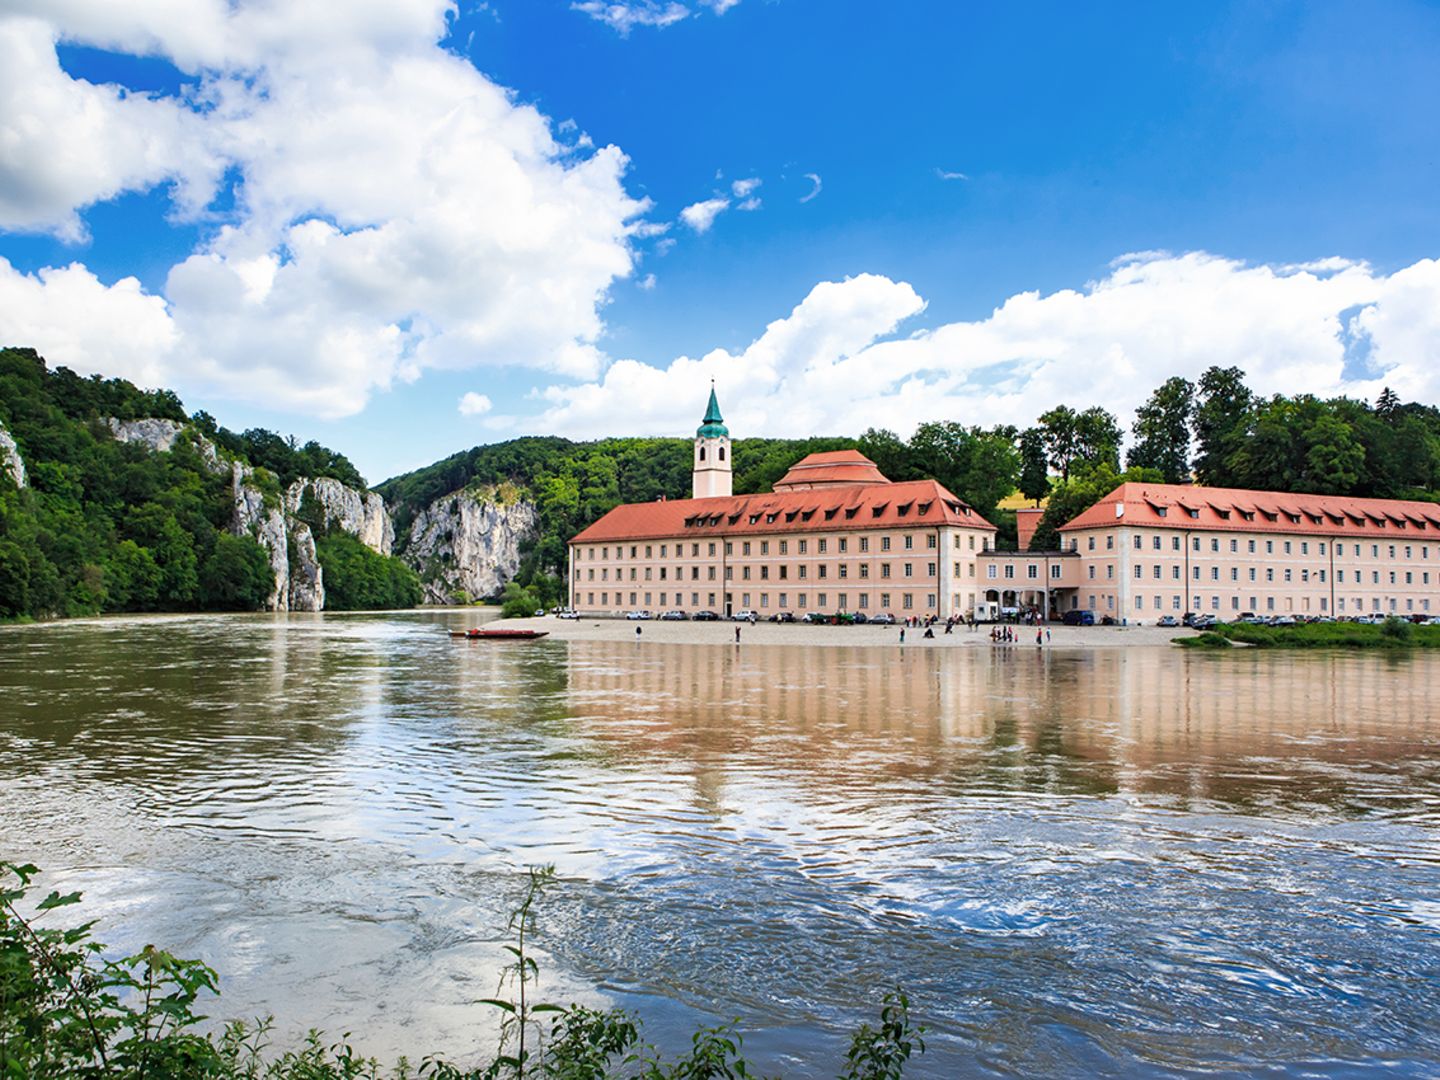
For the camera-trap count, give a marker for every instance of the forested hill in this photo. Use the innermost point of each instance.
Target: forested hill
(90, 523)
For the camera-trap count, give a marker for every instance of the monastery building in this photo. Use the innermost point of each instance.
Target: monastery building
(835, 535)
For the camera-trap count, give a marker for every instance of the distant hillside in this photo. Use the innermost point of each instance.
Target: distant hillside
(94, 523)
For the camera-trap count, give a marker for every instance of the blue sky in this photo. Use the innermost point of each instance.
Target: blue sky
(1015, 206)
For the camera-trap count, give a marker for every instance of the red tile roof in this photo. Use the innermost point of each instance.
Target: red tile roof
(1217, 509)
(914, 504)
(831, 468)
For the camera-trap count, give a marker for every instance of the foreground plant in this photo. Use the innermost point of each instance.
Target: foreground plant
(66, 1011)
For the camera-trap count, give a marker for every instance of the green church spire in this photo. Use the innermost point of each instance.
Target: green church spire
(713, 425)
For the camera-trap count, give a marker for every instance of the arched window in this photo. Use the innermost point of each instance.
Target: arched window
(702, 453)
(722, 453)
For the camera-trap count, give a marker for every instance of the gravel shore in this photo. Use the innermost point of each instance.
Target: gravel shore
(771, 634)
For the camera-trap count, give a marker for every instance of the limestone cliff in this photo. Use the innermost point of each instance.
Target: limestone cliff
(266, 523)
(307, 577)
(466, 546)
(289, 543)
(11, 463)
(362, 514)
(160, 436)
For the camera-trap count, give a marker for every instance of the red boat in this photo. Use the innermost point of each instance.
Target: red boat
(499, 635)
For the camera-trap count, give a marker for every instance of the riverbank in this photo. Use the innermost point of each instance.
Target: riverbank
(766, 634)
(1393, 634)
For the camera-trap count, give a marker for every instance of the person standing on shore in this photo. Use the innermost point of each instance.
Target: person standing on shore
(902, 635)
(737, 635)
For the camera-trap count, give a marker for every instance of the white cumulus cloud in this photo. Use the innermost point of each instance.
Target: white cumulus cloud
(395, 209)
(835, 364)
(701, 215)
(622, 16)
(473, 404)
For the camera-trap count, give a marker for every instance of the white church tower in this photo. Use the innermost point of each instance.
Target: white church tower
(712, 474)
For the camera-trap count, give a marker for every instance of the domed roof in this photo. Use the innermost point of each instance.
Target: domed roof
(833, 468)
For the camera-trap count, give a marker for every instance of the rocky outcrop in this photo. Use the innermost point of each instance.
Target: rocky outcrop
(307, 577)
(267, 525)
(160, 436)
(11, 463)
(466, 546)
(362, 514)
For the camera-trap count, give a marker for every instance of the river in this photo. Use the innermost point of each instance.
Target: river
(1110, 862)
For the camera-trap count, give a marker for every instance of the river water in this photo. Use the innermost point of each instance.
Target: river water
(1115, 862)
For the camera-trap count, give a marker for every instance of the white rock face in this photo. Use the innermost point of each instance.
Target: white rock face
(465, 544)
(267, 525)
(160, 437)
(11, 462)
(299, 583)
(307, 576)
(362, 514)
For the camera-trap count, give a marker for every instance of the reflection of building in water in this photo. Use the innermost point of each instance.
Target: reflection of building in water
(1143, 720)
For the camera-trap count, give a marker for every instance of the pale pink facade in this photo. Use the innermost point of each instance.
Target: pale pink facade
(1146, 551)
(916, 570)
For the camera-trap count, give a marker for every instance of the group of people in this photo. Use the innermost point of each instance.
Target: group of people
(1010, 635)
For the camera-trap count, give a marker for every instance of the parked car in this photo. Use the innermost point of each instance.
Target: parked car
(1283, 620)
(1079, 618)
(674, 616)
(784, 616)
(567, 613)
(745, 615)
(860, 617)
(704, 616)
(883, 619)
(1167, 620)
(816, 617)
(633, 615)
(539, 613)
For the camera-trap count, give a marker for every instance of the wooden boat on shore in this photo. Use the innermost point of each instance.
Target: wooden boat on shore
(499, 635)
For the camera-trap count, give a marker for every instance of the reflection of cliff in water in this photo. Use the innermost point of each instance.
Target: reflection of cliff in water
(1259, 730)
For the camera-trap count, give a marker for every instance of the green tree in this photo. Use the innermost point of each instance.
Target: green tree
(1069, 499)
(1163, 431)
(1223, 405)
(237, 575)
(1058, 428)
(358, 579)
(14, 580)
(1034, 468)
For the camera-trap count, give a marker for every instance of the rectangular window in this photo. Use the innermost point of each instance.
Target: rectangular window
(764, 547)
(909, 541)
(802, 546)
(784, 547)
(884, 543)
(884, 599)
(841, 545)
(820, 545)
(864, 543)
(908, 601)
